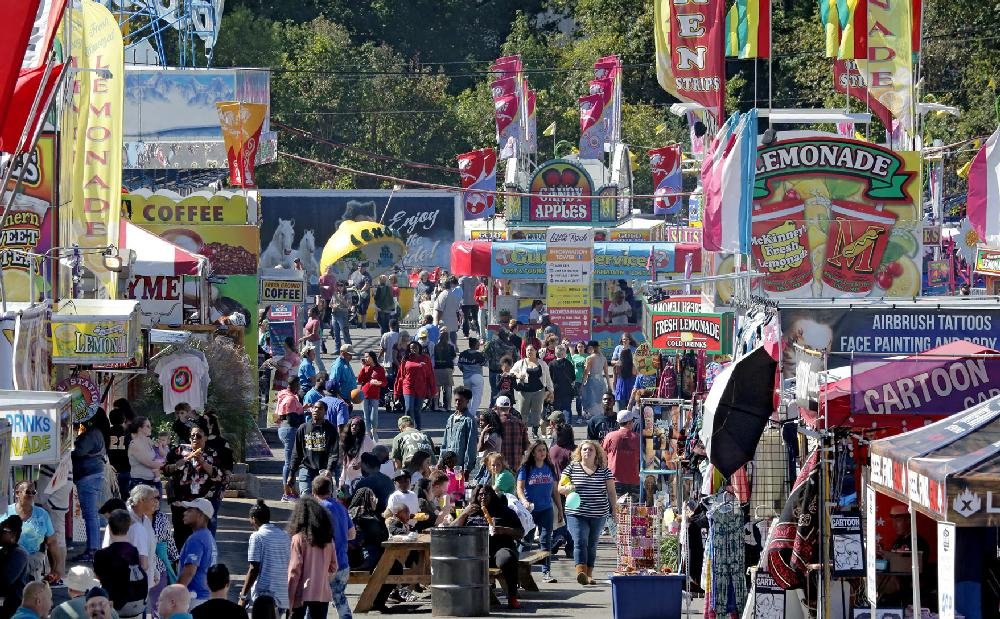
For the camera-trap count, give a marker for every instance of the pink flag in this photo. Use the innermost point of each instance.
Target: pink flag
(593, 128)
(711, 185)
(508, 123)
(983, 203)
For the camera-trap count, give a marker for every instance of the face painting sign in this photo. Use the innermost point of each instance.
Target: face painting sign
(883, 331)
(836, 218)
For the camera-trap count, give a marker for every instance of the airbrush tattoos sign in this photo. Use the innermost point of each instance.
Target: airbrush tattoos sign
(836, 218)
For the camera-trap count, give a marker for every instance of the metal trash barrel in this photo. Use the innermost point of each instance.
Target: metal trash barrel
(460, 561)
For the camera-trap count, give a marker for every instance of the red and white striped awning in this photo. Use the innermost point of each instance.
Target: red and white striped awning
(155, 256)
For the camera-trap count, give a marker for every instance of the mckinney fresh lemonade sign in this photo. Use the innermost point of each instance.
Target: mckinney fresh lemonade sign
(835, 218)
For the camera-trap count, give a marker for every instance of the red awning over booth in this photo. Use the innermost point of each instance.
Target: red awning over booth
(471, 258)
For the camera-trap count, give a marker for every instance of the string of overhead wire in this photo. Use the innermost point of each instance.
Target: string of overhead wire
(363, 151)
(499, 193)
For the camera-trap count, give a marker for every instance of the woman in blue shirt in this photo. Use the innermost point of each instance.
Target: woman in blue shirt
(536, 487)
(38, 536)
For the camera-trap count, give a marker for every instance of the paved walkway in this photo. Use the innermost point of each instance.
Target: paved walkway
(562, 599)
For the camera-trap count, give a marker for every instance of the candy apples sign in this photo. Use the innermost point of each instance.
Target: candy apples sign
(561, 192)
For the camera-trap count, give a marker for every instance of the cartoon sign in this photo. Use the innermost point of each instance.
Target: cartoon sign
(682, 331)
(837, 218)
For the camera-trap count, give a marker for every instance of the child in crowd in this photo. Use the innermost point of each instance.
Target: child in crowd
(404, 494)
(507, 381)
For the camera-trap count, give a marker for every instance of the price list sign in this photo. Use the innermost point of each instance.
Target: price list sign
(569, 269)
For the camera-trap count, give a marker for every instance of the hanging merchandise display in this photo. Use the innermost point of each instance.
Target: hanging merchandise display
(794, 544)
(727, 592)
(184, 378)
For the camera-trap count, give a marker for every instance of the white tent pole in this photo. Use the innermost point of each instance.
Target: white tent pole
(914, 558)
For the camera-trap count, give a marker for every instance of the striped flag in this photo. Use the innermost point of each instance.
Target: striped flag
(983, 204)
(748, 29)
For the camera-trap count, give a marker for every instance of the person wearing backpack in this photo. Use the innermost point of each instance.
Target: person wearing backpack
(288, 416)
(119, 569)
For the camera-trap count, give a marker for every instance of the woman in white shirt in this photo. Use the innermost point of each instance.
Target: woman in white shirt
(595, 379)
(535, 384)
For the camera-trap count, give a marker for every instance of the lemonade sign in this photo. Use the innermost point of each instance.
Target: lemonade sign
(836, 218)
(103, 342)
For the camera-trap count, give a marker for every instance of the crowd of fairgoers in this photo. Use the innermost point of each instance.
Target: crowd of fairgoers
(509, 463)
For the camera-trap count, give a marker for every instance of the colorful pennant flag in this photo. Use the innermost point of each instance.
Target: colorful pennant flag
(690, 52)
(849, 81)
(550, 130)
(18, 19)
(665, 163)
(478, 170)
(29, 84)
(531, 126)
(507, 114)
(593, 127)
(241, 125)
(748, 29)
(728, 185)
(983, 205)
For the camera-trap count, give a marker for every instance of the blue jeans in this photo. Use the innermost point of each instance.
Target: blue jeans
(287, 435)
(340, 326)
(586, 530)
(413, 404)
(543, 526)
(305, 479)
(338, 589)
(494, 377)
(90, 489)
(370, 409)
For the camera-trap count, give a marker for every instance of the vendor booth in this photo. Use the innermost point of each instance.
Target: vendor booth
(949, 472)
(41, 426)
(96, 332)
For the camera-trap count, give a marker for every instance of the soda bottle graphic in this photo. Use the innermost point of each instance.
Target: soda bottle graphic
(779, 244)
(855, 244)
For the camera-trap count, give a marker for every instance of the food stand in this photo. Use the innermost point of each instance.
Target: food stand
(949, 472)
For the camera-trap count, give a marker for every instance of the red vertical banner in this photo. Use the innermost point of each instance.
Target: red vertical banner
(665, 163)
(849, 81)
(479, 183)
(593, 126)
(698, 53)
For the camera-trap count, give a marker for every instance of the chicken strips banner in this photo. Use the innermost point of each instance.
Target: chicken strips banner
(837, 218)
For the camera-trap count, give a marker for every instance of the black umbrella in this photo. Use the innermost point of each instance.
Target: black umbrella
(737, 409)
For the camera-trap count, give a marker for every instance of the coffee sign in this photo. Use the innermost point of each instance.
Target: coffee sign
(284, 290)
(683, 331)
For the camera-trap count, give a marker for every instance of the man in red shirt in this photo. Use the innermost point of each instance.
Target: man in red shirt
(622, 447)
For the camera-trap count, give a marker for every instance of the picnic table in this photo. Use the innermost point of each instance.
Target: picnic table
(395, 550)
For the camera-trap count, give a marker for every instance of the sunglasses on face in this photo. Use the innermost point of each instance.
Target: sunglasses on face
(29, 492)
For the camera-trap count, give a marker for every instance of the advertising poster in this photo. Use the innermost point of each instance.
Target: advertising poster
(681, 332)
(988, 261)
(101, 342)
(937, 277)
(28, 225)
(936, 385)
(886, 331)
(569, 272)
(230, 250)
(837, 218)
(35, 435)
(848, 548)
(281, 291)
(298, 223)
(769, 598)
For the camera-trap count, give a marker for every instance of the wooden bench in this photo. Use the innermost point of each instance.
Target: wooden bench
(524, 562)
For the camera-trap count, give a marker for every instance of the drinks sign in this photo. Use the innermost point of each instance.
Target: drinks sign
(683, 331)
(836, 218)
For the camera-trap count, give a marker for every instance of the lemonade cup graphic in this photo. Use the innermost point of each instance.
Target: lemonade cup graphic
(779, 243)
(855, 245)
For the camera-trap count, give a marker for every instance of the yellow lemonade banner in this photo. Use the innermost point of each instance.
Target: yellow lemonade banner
(96, 135)
(100, 342)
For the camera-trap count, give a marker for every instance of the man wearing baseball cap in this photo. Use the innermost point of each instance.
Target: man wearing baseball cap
(622, 447)
(79, 580)
(343, 380)
(409, 441)
(199, 552)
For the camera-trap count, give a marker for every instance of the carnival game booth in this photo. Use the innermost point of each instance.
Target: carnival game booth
(948, 473)
(526, 266)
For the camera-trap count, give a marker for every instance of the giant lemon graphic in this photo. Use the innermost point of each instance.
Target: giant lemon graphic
(724, 288)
